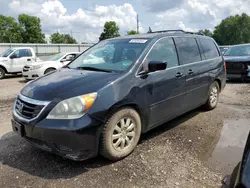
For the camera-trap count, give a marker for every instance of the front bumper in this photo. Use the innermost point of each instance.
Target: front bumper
(73, 139)
(32, 74)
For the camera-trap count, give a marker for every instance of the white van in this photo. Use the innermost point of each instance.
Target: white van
(13, 60)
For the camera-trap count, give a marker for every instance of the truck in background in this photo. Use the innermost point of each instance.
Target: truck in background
(13, 60)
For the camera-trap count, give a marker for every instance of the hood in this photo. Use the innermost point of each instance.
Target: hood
(66, 83)
(237, 58)
(3, 59)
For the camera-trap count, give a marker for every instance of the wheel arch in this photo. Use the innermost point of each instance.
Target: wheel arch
(118, 106)
(53, 68)
(3, 67)
(219, 82)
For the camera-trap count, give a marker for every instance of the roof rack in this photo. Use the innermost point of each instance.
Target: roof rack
(176, 31)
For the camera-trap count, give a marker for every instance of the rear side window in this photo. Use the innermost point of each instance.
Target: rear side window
(188, 50)
(209, 49)
(22, 53)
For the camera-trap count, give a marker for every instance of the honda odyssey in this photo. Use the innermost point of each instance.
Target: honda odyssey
(118, 89)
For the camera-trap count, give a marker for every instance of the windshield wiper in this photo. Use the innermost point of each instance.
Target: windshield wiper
(94, 69)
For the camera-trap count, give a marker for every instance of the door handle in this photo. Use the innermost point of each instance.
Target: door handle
(28, 59)
(179, 75)
(190, 71)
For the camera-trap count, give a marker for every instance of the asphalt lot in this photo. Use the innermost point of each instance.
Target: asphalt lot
(194, 150)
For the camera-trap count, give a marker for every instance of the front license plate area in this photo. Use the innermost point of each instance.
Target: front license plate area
(18, 128)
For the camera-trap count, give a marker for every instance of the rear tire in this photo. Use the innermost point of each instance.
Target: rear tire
(49, 70)
(213, 96)
(120, 134)
(2, 73)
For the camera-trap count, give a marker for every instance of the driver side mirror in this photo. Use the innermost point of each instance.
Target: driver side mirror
(13, 56)
(154, 66)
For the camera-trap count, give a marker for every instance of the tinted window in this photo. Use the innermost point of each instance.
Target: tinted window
(22, 53)
(164, 50)
(188, 50)
(209, 48)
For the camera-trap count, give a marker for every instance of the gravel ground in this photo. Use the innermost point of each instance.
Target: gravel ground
(176, 154)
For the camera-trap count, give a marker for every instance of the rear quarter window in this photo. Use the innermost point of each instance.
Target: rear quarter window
(209, 48)
(188, 50)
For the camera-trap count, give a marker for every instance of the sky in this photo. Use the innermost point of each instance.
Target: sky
(85, 19)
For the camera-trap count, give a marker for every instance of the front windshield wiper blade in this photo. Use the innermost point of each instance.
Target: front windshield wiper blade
(94, 69)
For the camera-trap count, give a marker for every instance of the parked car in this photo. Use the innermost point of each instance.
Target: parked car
(56, 62)
(240, 177)
(88, 108)
(13, 60)
(224, 49)
(237, 61)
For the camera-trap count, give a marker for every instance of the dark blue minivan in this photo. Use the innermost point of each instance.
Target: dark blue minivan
(118, 89)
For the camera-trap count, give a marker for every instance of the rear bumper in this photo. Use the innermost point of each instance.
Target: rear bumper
(73, 139)
(238, 76)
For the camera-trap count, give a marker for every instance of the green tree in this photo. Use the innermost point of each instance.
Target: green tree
(111, 30)
(69, 39)
(57, 38)
(132, 32)
(206, 32)
(31, 29)
(10, 31)
(233, 30)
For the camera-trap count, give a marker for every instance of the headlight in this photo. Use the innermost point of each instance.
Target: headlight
(36, 67)
(73, 108)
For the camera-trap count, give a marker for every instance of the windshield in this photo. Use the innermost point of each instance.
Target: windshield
(7, 53)
(238, 51)
(111, 55)
(56, 57)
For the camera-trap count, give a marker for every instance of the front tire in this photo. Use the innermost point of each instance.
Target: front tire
(120, 134)
(213, 96)
(2, 73)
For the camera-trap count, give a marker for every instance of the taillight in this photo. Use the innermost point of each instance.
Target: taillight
(225, 66)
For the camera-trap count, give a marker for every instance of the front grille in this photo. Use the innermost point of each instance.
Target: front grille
(26, 68)
(26, 109)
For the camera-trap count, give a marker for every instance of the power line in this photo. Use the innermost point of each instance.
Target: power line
(137, 21)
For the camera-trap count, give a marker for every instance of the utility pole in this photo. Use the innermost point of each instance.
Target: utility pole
(71, 33)
(137, 21)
